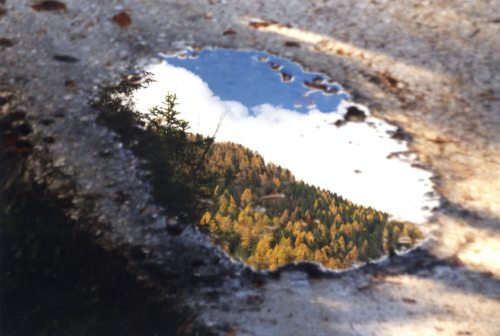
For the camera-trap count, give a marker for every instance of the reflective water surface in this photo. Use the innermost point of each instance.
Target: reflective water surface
(255, 78)
(292, 118)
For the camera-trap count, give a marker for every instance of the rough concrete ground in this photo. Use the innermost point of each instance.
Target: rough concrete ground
(429, 66)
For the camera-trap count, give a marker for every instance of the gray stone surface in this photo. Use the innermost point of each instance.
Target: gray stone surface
(429, 66)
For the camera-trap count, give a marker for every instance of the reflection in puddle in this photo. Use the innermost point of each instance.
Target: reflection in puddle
(244, 76)
(293, 118)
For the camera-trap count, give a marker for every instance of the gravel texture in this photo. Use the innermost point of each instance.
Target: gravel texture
(429, 66)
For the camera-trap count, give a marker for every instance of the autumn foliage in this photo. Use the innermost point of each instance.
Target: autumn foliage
(255, 211)
(263, 216)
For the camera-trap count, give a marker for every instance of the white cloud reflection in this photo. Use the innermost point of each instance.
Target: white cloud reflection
(350, 160)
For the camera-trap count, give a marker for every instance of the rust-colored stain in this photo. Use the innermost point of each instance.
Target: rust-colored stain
(50, 6)
(122, 19)
(5, 42)
(229, 32)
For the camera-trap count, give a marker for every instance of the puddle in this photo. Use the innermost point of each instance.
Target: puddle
(302, 121)
(353, 192)
(255, 79)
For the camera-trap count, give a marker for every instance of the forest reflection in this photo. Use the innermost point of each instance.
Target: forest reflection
(340, 168)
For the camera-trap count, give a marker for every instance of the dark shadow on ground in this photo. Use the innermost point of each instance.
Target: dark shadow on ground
(54, 278)
(416, 32)
(418, 262)
(474, 218)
